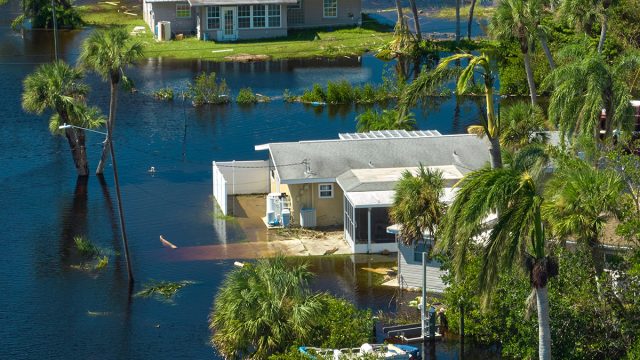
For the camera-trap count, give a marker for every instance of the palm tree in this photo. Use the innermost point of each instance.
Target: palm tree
(372, 120)
(583, 14)
(416, 205)
(470, 22)
(587, 87)
(108, 53)
(522, 124)
(516, 20)
(262, 308)
(428, 82)
(582, 199)
(59, 87)
(416, 20)
(517, 237)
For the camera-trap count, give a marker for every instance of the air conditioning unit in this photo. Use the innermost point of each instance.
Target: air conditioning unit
(308, 218)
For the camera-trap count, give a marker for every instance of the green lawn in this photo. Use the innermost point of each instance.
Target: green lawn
(450, 12)
(299, 44)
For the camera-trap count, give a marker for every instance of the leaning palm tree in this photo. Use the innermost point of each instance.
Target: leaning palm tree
(517, 20)
(582, 199)
(430, 82)
(516, 238)
(261, 308)
(108, 53)
(417, 204)
(59, 87)
(588, 87)
(584, 14)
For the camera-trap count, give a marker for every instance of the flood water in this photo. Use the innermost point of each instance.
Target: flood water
(49, 309)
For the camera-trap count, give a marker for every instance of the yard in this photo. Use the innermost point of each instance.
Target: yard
(299, 43)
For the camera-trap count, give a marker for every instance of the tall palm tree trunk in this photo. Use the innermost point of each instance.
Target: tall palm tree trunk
(458, 21)
(495, 152)
(547, 52)
(544, 329)
(470, 22)
(399, 11)
(113, 104)
(77, 144)
(416, 20)
(532, 85)
(492, 129)
(603, 32)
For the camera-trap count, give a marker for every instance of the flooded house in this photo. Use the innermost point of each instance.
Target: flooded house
(346, 182)
(230, 20)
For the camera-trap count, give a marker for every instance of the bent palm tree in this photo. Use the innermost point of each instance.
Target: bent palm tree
(427, 83)
(518, 234)
(260, 308)
(59, 87)
(108, 53)
(587, 87)
(417, 205)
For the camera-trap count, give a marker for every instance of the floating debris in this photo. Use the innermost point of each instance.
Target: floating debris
(164, 289)
(166, 243)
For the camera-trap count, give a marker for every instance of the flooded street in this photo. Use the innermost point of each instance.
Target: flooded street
(50, 309)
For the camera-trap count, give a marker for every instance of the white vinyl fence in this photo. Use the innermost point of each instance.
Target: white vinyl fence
(239, 177)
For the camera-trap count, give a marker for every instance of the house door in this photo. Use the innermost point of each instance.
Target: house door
(229, 26)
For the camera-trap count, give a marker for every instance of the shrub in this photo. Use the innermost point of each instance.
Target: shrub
(246, 96)
(165, 93)
(339, 92)
(288, 96)
(316, 94)
(206, 90)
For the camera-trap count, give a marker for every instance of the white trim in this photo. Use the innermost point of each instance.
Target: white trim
(329, 17)
(206, 17)
(234, 22)
(320, 191)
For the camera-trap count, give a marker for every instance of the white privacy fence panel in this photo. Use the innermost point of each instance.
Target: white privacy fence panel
(239, 177)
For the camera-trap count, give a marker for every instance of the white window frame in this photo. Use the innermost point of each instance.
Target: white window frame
(207, 17)
(265, 17)
(273, 16)
(324, 10)
(180, 7)
(250, 17)
(320, 191)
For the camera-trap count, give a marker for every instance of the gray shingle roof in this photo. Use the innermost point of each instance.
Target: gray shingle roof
(327, 159)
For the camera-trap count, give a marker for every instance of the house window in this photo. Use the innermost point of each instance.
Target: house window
(330, 8)
(325, 191)
(274, 16)
(296, 6)
(259, 16)
(213, 18)
(419, 248)
(183, 10)
(244, 17)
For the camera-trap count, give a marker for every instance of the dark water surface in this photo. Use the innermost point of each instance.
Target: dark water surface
(48, 309)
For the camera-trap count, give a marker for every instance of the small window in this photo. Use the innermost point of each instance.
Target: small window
(274, 16)
(183, 10)
(325, 191)
(259, 16)
(330, 8)
(244, 16)
(419, 248)
(213, 18)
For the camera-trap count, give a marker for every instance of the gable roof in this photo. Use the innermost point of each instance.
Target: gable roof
(325, 160)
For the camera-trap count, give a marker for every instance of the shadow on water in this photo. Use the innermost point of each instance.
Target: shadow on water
(74, 222)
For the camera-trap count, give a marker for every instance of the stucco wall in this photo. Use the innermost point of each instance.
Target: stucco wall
(313, 13)
(329, 212)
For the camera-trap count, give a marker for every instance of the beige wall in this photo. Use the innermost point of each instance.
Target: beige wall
(329, 212)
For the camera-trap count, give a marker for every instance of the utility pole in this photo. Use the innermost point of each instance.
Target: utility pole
(55, 28)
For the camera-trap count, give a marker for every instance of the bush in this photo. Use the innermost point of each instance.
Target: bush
(246, 96)
(316, 94)
(287, 96)
(206, 90)
(340, 92)
(165, 93)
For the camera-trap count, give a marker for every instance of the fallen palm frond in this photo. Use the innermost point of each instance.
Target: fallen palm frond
(165, 289)
(85, 247)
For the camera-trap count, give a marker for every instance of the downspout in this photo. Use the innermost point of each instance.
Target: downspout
(368, 230)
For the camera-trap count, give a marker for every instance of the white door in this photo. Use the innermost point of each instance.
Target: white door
(229, 23)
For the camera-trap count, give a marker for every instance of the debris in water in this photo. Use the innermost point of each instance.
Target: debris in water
(167, 243)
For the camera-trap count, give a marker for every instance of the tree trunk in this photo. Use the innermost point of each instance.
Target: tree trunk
(547, 52)
(462, 322)
(529, 71)
(76, 139)
(416, 20)
(495, 152)
(457, 21)
(399, 11)
(603, 32)
(470, 22)
(544, 329)
(113, 103)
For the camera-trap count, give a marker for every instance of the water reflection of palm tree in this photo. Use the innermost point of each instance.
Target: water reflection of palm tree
(74, 222)
(111, 214)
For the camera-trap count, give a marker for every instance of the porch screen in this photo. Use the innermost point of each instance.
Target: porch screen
(213, 18)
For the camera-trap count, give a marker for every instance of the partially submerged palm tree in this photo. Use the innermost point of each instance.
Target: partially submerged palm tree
(261, 307)
(428, 83)
(108, 53)
(59, 87)
(417, 204)
(587, 87)
(516, 238)
(372, 120)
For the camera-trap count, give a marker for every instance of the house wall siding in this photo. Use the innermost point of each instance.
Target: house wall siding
(410, 271)
(245, 34)
(313, 13)
(167, 12)
(329, 212)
